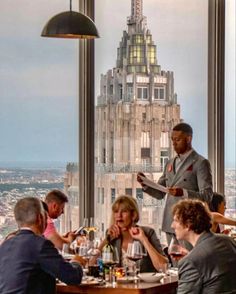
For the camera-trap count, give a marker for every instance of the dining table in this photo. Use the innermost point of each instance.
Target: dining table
(168, 285)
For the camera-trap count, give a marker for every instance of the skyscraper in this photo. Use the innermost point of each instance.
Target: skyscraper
(136, 110)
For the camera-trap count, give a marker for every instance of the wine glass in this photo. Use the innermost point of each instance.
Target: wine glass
(86, 224)
(110, 258)
(135, 253)
(93, 251)
(84, 252)
(65, 251)
(89, 225)
(177, 249)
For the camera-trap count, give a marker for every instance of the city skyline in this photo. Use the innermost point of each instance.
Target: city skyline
(39, 119)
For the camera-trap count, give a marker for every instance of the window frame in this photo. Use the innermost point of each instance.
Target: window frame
(144, 93)
(216, 92)
(216, 43)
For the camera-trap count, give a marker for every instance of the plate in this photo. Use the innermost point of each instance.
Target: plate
(125, 280)
(151, 277)
(89, 282)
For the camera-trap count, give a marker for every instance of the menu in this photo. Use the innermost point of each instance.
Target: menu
(153, 185)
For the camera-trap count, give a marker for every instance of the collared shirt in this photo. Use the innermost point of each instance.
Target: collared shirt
(26, 228)
(50, 229)
(180, 159)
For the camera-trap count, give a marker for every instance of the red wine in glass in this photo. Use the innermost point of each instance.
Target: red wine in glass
(135, 257)
(176, 254)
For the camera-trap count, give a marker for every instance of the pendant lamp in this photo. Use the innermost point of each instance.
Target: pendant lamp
(70, 24)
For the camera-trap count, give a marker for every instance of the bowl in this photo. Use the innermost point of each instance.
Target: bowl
(151, 277)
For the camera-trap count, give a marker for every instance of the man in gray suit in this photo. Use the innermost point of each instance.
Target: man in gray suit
(210, 267)
(188, 175)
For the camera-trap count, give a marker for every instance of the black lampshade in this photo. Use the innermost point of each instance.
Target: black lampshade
(70, 24)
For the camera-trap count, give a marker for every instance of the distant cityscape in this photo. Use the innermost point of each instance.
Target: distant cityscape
(19, 182)
(16, 183)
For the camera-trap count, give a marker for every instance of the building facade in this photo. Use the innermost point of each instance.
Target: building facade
(135, 112)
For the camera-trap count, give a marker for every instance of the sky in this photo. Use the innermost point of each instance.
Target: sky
(38, 76)
(179, 30)
(38, 85)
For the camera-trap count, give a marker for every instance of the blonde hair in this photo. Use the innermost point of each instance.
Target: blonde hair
(127, 202)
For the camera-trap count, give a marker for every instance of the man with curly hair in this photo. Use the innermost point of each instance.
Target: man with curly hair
(210, 267)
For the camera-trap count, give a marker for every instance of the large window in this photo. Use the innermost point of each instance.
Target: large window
(136, 54)
(38, 106)
(230, 117)
(169, 84)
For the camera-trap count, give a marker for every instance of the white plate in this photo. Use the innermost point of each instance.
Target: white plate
(151, 277)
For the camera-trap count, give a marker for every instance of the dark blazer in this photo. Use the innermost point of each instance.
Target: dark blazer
(29, 264)
(210, 268)
(146, 263)
(194, 175)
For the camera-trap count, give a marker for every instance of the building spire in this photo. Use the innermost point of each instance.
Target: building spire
(137, 9)
(136, 22)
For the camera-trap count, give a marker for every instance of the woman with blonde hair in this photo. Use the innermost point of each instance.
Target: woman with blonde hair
(124, 230)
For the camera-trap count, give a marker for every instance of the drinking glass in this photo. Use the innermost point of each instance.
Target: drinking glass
(84, 252)
(86, 224)
(93, 251)
(91, 222)
(177, 249)
(65, 251)
(135, 253)
(110, 256)
(89, 225)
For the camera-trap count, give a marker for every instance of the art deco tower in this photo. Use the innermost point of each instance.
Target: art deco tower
(136, 110)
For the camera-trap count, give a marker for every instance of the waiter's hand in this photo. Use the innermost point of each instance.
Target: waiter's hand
(175, 191)
(139, 179)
